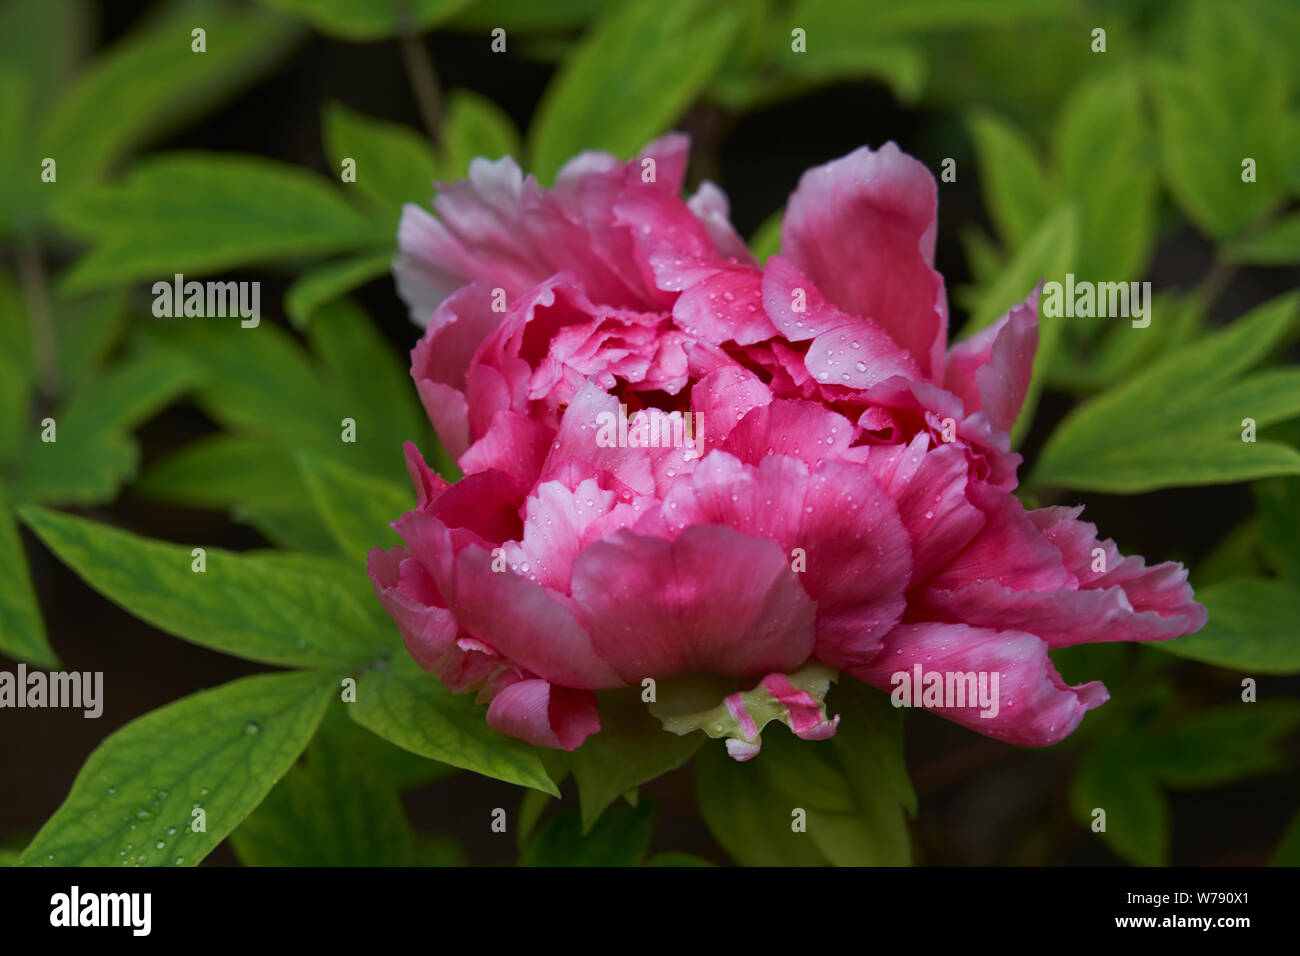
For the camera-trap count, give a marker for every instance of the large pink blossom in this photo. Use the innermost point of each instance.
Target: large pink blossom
(842, 501)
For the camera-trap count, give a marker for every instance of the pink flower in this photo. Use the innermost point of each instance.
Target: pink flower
(680, 466)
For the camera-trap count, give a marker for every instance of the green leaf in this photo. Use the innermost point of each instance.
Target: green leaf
(22, 635)
(195, 213)
(372, 20)
(512, 16)
(365, 381)
(1102, 152)
(1225, 108)
(597, 102)
(1045, 256)
(150, 80)
(1276, 244)
(219, 471)
(219, 750)
(1277, 502)
(1214, 747)
(475, 126)
(408, 707)
(332, 280)
(86, 328)
(869, 742)
(239, 605)
(677, 858)
(1016, 191)
(750, 819)
(631, 749)
(620, 838)
(1180, 421)
(1251, 627)
(1288, 848)
(1137, 815)
(16, 369)
(356, 507)
(340, 806)
(766, 240)
(92, 452)
(394, 164)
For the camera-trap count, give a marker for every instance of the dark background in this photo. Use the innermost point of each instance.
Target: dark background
(981, 801)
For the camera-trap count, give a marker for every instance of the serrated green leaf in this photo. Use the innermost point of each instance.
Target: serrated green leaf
(219, 750)
(631, 749)
(394, 163)
(1251, 627)
(597, 102)
(239, 605)
(196, 213)
(22, 633)
(620, 838)
(408, 707)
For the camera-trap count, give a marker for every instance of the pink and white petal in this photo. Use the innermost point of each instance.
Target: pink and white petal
(515, 445)
(929, 487)
(990, 371)
(580, 449)
(723, 398)
(853, 551)
(525, 622)
(429, 485)
(1009, 550)
(711, 207)
(862, 227)
(545, 714)
(727, 306)
(658, 608)
(1034, 706)
(555, 528)
(799, 429)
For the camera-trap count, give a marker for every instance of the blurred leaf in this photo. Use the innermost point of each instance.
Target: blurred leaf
(748, 818)
(597, 102)
(1137, 814)
(1102, 152)
(513, 16)
(1179, 422)
(1218, 746)
(766, 240)
(1045, 256)
(1277, 502)
(93, 451)
(1287, 852)
(620, 838)
(394, 164)
(151, 79)
(474, 126)
(371, 20)
(1016, 191)
(675, 858)
(869, 743)
(1225, 107)
(631, 749)
(219, 750)
(41, 41)
(239, 605)
(1251, 627)
(355, 506)
(410, 708)
(1276, 244)
(198, 213)
(86, 328)
(22, 634)
(1238, 552)
(219, 471)
(332, 280)
(16, 371)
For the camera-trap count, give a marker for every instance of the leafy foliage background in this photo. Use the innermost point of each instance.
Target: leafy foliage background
(177, 433)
